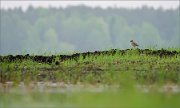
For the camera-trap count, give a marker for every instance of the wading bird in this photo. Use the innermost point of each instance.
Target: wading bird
(134, 44)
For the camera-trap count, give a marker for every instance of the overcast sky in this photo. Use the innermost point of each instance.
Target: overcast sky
(102, 4)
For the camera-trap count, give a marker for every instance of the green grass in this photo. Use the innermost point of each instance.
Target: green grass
(105, 99)
(123, 72)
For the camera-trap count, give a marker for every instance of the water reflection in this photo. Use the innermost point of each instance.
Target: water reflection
(61, 87)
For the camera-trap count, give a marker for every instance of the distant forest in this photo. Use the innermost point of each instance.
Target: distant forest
(81, 28)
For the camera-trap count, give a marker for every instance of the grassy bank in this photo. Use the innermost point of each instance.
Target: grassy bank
(116, 78)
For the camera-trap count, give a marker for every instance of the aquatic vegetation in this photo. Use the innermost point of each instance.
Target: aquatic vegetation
(114, 78)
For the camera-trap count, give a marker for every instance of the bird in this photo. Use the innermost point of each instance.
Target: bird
(134, 44)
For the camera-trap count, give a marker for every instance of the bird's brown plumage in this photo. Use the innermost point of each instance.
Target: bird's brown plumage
(134, 44)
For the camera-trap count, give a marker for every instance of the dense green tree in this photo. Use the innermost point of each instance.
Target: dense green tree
(149, 35)
(81, 28)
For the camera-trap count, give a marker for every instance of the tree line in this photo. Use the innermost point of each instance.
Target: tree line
(81, 28)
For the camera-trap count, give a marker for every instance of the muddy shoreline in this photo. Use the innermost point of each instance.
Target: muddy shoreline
(50, 59)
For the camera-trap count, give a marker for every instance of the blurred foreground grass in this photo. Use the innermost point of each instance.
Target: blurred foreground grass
(131, 80)
(105, 99)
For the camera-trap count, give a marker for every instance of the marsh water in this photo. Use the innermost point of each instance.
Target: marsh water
(61, 87)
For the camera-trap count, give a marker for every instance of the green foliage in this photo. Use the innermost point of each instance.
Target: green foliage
(80, 28)
(130, 80)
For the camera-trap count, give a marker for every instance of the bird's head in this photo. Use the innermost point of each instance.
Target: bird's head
(131, 41)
